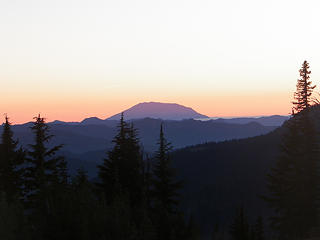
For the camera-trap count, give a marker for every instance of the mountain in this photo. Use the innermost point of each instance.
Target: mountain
(165, 111)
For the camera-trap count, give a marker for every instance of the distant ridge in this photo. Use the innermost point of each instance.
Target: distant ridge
(173, 112)
(274, 120)
(165, 111)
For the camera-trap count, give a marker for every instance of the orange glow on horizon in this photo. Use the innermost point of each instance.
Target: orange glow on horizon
(76, 109)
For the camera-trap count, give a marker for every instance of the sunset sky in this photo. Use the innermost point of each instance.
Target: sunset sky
(71, 59)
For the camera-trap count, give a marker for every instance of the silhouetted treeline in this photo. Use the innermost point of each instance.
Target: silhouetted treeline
(133, 197)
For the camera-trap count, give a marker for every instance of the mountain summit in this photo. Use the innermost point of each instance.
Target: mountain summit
(165, 111)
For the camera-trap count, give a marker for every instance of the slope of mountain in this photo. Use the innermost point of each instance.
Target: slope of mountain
(166, 111)
(82, 138)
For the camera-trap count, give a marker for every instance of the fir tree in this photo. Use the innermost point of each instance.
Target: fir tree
(11, 159)
(192, 230)
(303, 94)
(123, 165)
(165, 193)
(293, 182)
(215, 232)
(258, 229)
(165, 186)
(13, 224)
(148, 180)
(45, 169)
(239, 229)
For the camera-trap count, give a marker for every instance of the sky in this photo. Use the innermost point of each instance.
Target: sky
(72, 59)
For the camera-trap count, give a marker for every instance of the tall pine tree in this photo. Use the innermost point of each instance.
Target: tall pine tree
(123, 166)
(293, 182)
(45, 170)
(165, 185)
(239, 229)
(304, 91)
(258, 229)
(165, 193)
(11, 159)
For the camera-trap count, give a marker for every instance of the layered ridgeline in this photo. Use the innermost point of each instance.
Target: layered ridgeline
(182, 128)
(86, 142)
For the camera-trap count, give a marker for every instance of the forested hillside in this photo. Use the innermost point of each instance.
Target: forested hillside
(221, 177)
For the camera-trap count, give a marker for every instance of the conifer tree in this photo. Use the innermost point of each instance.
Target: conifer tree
(45, 169)
(239, 229)
(303, 94)
(192, 230)
(293, 181)
(258, 229)
(165, 189)
(11, 159)
(123, 165)
(165, 186)
(12, 221)
(147, 180)
(215, 232)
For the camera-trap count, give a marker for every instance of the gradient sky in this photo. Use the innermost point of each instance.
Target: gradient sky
(71, 59)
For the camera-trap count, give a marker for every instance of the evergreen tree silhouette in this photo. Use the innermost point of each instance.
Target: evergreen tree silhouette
(304, 91)
(239, 229)
(165, 185)
(192, 230)
(147, 165)
(293, 181)
(44, 169)
(13, 223)
(124, 165)
(165, 189)
(11, 160)
(215, 232)
(258, 229)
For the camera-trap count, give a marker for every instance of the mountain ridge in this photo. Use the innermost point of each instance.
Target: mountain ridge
(89, 137)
